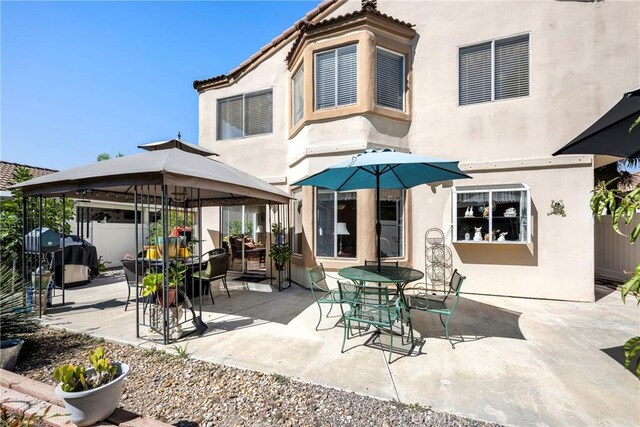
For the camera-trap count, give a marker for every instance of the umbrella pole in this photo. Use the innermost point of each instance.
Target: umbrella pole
(378, 226)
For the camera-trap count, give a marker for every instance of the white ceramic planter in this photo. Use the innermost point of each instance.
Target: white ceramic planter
(9, 352)
(90, 406)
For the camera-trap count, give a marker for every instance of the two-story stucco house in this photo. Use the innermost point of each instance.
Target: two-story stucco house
(496, 85)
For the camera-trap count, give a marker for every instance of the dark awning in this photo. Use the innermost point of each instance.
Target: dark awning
(610, 135)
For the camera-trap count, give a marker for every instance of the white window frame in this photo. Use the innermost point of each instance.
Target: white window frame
(402, 228)
(336, 249)
(404, 78)
(315, 78)
(490, 189)
(293, 220)
(243, 96)
(493, 68)
(300, 71)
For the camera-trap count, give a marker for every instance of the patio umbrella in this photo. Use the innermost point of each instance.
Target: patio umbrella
(386, 169)
(610, 134)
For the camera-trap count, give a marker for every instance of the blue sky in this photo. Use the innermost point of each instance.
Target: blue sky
(81, 78)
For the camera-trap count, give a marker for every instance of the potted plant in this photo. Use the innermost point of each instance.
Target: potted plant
(278, 230)
(280, 254)
(16, 318)
(91, 395)
(152, 283)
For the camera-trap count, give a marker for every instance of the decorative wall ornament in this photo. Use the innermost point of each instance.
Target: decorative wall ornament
(557, 208)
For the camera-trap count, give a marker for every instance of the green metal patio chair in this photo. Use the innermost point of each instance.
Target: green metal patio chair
(370, 305)
(321, 292)
(441, 304)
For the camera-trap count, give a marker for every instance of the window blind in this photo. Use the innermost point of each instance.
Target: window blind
(389, 79)
(474, 68)
(230, 118)
(347, 74)
(326, 80)
(258, 116)
(245, 115)
(337, 77)
(512, 67)
(298, 96)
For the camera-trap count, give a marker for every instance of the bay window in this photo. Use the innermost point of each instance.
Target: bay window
(390, 84)
(296, 226)
(336, 224)
(392, 223)
(336, 77)
(297, 102)
(492, 214)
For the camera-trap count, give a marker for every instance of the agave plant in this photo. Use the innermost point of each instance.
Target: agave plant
(15, 319)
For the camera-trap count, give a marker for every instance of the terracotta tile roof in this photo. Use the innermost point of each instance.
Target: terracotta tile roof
(7, 168)
(273, 44)
(368, 8)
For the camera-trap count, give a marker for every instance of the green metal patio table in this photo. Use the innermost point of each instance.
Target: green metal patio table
(386, 274)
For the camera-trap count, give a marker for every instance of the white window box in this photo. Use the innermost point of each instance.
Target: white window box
(493, 214)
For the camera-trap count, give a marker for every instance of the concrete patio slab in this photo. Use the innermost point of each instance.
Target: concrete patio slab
(516, 361)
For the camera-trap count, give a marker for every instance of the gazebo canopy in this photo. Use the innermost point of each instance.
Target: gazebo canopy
(177, 143)
(192, 176)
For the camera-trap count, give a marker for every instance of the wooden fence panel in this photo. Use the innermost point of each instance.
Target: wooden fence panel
(615, 258)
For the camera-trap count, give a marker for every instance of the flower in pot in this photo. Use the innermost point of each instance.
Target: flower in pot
(280, 254)
(91, 394)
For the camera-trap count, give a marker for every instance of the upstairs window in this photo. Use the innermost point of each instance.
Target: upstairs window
(389, 79)
(245, 115)
(298, 96)
(336, 79)
(494, 70)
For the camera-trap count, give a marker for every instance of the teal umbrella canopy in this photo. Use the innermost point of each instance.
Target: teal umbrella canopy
(384, 169)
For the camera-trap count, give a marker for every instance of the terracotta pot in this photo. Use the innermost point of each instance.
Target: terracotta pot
(172, 294)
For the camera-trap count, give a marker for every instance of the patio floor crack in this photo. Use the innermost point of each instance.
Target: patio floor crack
(393, 383)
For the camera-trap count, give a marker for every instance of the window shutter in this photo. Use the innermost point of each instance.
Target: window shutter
(298, 95)
(347, 74)
(512, 67)
(230, 118)
(390, 79)
(325, 79)
(474, 74)
(258, 115)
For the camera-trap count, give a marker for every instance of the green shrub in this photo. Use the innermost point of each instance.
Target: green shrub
(15, 319)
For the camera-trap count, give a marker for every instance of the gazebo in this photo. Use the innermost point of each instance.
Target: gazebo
(172, 180)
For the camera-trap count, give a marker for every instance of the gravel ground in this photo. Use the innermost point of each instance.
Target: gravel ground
(189, 392)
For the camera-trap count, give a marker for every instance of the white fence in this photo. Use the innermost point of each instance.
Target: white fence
(112, 240)
(613, 254)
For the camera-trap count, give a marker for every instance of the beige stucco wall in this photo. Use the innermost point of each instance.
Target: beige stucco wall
(583, 57)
